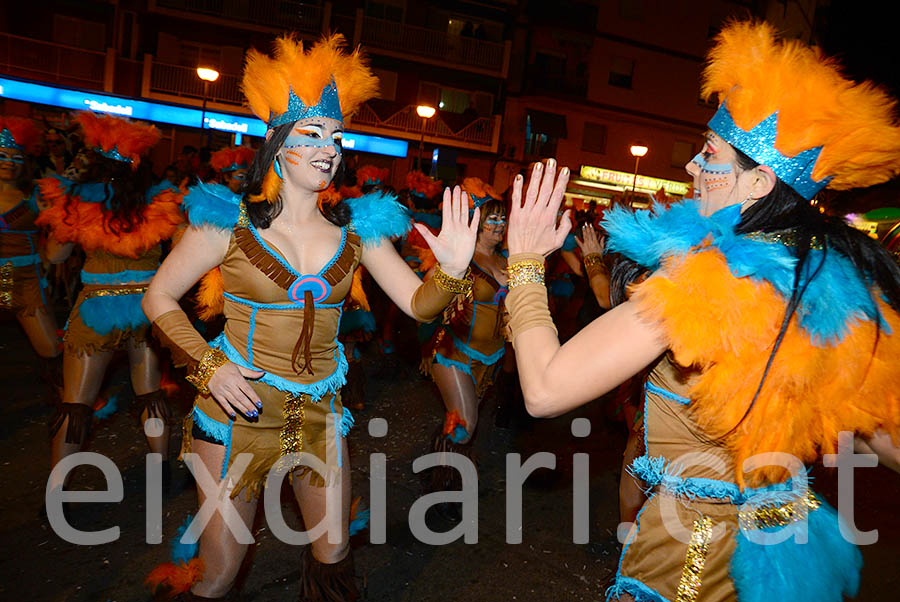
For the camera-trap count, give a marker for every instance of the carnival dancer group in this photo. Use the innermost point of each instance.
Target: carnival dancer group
(746, 320)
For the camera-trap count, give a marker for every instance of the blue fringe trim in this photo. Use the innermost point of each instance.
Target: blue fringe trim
(115, 312)
(835, 298)
(360, 522)
(657, 471)
(212, 205)
(487, 360)
(357, 319)
(123, 277)
(347, 422)
(378, 215)
(219, 431)
(651, 388)
(638, 590)
(330, 384)
(443, 361)
(183, 552)
(112, 404)
(824, 569)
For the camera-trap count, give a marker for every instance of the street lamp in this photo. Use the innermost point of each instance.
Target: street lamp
(637, 151)
(426, 112)
(208, 75)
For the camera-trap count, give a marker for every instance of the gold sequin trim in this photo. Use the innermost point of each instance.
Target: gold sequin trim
(778, 516)
(525, 272)
(593, 259)
(211, 361)
(787, 238)
(6, 285)
(115, 292)
(294, 413)
(694, 561)
(243, 218)
(459, 286)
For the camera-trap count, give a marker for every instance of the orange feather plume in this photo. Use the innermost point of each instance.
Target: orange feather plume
(479, 188)
(350, 192)
(175, 579)
(357, 292)
(726, 326)
(242, 156)
(271, 187)
(755, 75)
(371, 173)
(24, 132)
(268, 80)
(130, 138)
(87, 224)
(423, 185)
(210, 296)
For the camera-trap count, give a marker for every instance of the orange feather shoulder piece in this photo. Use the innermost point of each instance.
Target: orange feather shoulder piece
(88, 224)
(726, 327)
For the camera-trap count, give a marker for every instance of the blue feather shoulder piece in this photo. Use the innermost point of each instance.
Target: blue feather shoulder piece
(378, 215)
(835, 297)
(156, 189)
(212, 205)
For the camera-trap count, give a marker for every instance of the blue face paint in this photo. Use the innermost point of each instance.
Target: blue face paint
(316, 140)
(495, 222)
(699, 160)
(8, 157)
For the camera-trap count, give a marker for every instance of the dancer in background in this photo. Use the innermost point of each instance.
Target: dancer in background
(268, 384)
(23, 289)
(769, 328)
(120, 222)
(231, 165)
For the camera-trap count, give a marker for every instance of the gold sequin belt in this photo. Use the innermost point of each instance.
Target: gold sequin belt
(115, 291)
(766, 517)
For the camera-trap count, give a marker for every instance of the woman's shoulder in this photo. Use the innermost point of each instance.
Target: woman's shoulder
(212, 205)
(378, 215)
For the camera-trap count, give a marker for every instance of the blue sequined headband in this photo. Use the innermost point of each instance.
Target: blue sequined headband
(8, 141)
(328, 106)
(759, 144)
(234, 167)
(113, 154)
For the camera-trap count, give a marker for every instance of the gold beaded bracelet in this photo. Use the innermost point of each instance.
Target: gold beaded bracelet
(211, 361)
(525, 272)
(593, 259)
(459, 286)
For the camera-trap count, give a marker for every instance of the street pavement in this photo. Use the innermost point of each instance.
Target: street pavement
(35, 564)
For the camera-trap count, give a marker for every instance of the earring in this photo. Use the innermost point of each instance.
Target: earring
(277, 166)
(747, 200)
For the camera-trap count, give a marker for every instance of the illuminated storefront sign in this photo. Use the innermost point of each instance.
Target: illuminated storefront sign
(159, 112)
(626, 180)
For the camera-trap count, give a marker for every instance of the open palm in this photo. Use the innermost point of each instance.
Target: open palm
(454, 245)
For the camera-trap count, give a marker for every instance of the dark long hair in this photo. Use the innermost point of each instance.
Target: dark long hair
(262, 213)
(784, 210)
(126, 190)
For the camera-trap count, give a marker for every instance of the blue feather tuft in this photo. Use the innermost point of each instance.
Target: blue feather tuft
(212, 205)
(378, 215)
(634, 588)
(824, 569)
(112, 404)
(113, 312)
(158, 188)
(183, 552)
(360, 522)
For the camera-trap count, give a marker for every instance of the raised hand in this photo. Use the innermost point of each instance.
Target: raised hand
(533, 226)
(454, 245)
(590, 242)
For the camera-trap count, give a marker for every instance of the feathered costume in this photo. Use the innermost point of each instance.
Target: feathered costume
(370, 175)
(232, 158)
(720, 300)
(22, 286)
(119, 261)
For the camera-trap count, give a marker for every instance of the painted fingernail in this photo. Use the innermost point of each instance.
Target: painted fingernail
(538, 166)
(519, 178)
(259, 404)
(233, 415)
(565, 171)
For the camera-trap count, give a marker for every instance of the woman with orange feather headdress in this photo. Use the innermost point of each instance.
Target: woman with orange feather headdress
(287, 255)
(22, 286)
(232, 164)
(768, 327)
(119, 221)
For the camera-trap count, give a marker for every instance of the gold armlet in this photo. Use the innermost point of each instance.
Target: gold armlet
(525, 272)
(458, 286)
(594, 259)
(211, 361)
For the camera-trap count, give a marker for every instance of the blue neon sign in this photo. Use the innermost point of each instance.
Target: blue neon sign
(159, 112)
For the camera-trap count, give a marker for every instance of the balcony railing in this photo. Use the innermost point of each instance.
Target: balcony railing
(176, 80)
(280, 14)
(52, 62)
(479, 134)
(437, 45)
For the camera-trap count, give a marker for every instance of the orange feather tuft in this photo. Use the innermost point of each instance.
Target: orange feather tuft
(271, 187)
(423, 185)
(24, 132)
(357, 293)
(87, 224)
(726, 326)
(130, 138)
(350, 192)
(210, 296)
(479, 188)
(175, 579)
(242, 156)
(371, 173)
(268, 81)
(755, 75)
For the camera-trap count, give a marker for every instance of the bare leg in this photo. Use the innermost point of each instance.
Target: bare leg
(40, 327)
(631, 496)
(222, 555)
(458, 392)
(145, 379)
(82, 376)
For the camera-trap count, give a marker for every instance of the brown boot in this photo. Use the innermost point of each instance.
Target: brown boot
(327, 582)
